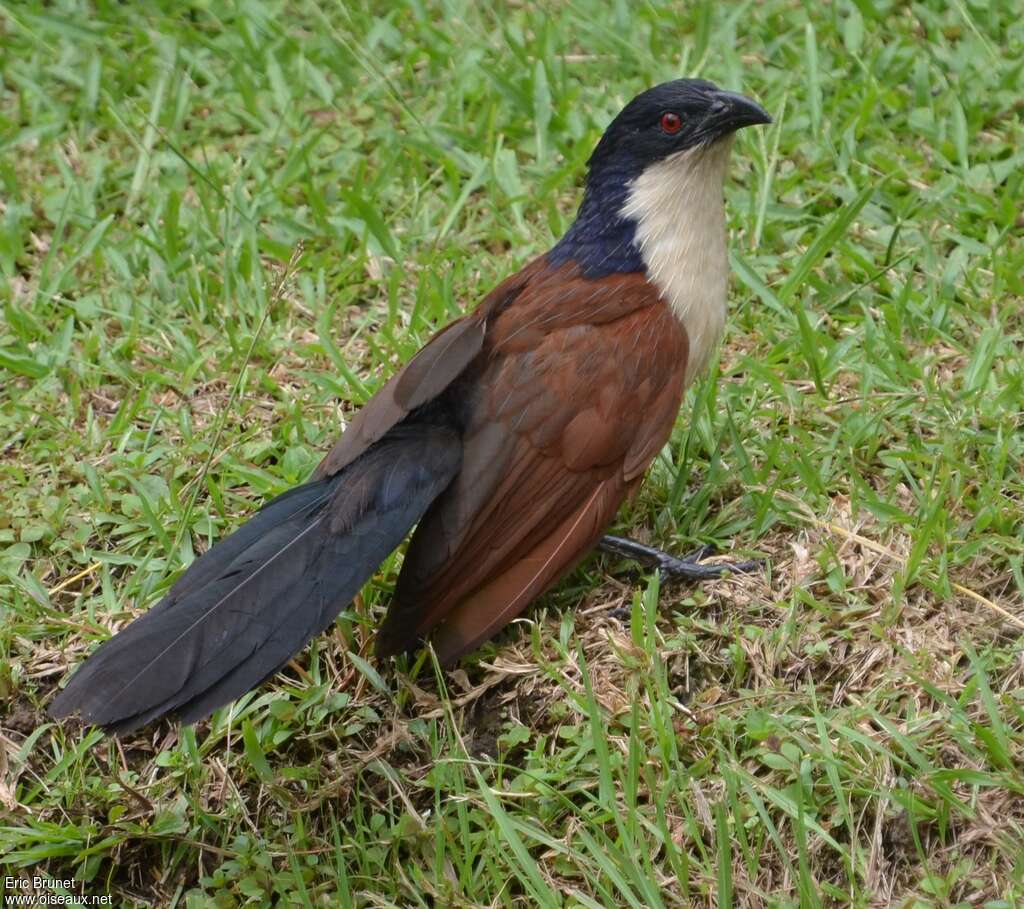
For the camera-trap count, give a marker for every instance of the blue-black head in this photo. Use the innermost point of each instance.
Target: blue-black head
(671, 118)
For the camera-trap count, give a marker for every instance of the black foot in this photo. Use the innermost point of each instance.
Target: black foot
(687, 568)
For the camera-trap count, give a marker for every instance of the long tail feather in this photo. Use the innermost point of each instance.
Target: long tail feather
(248, 605)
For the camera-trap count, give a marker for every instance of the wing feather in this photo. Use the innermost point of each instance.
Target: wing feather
(497, 602)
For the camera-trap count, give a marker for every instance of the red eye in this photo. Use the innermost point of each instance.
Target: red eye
(671, 123)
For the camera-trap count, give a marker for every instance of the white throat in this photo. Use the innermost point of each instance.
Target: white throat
(679, 211)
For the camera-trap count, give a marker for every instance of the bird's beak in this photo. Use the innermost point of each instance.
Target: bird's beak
(730, 111)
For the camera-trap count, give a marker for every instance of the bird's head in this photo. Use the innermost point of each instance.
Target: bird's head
(670, 118)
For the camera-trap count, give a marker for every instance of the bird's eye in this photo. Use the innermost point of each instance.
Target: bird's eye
(671, 123)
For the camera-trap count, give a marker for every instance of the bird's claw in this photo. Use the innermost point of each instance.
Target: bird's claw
(690, 569)
(686, 568)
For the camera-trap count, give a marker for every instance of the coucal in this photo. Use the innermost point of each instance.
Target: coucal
(509, 440)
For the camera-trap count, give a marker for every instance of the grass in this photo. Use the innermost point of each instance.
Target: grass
(222, 225)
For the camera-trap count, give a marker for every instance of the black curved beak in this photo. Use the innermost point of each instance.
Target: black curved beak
(730, 111)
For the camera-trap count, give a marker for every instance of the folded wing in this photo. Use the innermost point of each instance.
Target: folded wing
(579, 388)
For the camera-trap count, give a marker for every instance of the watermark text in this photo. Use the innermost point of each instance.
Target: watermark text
(49, 891)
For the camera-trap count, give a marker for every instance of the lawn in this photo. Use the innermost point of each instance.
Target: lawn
(222, 225)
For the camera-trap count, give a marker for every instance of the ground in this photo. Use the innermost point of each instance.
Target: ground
(223, 224)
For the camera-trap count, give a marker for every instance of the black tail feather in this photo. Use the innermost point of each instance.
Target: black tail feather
(244, 608)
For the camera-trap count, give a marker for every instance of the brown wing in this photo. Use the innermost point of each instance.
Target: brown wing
(579, 383)
(436, 365)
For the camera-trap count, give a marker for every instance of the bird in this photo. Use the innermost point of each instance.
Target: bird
(506, 444)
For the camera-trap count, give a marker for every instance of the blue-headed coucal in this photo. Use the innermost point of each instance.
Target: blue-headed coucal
(509, 440)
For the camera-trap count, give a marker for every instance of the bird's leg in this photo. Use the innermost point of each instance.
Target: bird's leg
(688, 568)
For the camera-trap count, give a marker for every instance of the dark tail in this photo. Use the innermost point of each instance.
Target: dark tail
(244, 608)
